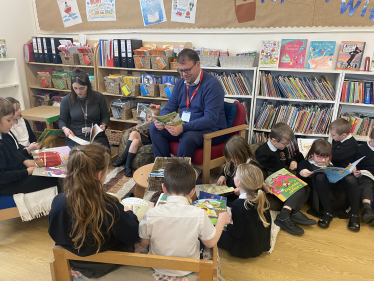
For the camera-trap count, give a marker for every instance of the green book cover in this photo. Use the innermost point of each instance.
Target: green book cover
(284, 184)
(171, 119)
(213, 207)
(48, 136)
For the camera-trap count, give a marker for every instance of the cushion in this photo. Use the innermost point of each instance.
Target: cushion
(217, 151)
(6, 202)
(230, 112)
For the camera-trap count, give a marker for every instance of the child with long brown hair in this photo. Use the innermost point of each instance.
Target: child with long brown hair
(249, 235)
(86, 220)
(333, 197)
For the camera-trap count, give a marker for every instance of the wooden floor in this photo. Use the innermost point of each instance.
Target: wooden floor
(332, 254)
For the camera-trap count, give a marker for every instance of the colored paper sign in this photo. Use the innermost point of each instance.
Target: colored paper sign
(69, 12)
(153, 11)
(101, 10)
(184, 11)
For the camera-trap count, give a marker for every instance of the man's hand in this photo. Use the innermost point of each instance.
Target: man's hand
(293, 165)
(174, 130)
(221, 181)
(29, 163)
(158, 125)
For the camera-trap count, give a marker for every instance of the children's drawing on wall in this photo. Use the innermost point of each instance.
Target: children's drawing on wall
(3, 49)
(69, 12)
(101, 10)
(350, 55)
(153, 11)
(183, 11)
(321, 55)
(245, 10)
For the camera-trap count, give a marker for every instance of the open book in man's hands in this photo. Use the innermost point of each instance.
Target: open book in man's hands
(95, 130)
(171, 119)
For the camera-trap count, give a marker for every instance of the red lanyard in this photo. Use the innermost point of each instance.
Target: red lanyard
(194, 93)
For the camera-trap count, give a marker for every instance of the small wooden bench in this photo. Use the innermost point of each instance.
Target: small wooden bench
(60, 267)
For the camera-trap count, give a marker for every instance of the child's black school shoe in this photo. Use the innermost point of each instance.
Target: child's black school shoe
(300, 218)
(324, 222)
(354, 223)
(367, 215)
(119, 162)
(289, 226)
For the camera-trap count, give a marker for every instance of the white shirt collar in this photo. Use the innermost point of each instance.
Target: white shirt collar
(196, 82)
(177, 199)
(372, 148)
(271, 146)
(346, 138)
(243, 196)
(1, 136)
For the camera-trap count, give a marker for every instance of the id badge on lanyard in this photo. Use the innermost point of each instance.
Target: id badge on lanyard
(186, 115)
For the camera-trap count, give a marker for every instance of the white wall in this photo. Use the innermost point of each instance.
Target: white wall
(17, 26)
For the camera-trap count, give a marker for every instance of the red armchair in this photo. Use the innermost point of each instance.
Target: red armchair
(209, 156)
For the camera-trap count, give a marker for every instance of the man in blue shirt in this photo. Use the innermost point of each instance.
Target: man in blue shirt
(199, 96)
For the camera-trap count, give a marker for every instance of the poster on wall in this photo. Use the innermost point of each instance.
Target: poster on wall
(69, 12)
(153, 11)
(183, 11)
(101, 10)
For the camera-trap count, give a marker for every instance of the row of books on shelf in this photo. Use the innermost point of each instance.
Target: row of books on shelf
(292, 53)
(234, 83)
(357, 92)
(296, 87)
(306, 119)
(362, 124)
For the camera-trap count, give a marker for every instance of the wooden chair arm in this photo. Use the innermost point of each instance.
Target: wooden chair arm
(225, 131)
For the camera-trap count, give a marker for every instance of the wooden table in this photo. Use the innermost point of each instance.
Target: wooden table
(141, 179)
(47, 114)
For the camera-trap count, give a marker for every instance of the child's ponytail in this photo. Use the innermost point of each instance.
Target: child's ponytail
(262, 205)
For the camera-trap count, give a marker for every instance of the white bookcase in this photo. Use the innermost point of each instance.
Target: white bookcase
(334, 76)
(9, 80)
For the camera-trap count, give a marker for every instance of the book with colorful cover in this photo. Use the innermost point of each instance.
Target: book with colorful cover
(212, 207)
(171, 119)
(284, 184)
(350, 55)
(367, 174)
(321, 55)
(3, 49)
(304, 145)
(335, 174)
(293, 53)
(48, 136)
(269, 54)
(213, 189)
(140, 206)
(51, 162)
(207, 195)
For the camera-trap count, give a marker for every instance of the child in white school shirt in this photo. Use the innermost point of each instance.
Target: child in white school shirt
(173, 229)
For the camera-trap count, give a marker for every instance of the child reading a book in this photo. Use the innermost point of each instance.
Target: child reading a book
(333, 197)
(344, 150)
(15, 168)
(84, 219)
(236, 152)
(136, 140)
(366, 183)
(173, 229)
(249, 235)
(273, 156)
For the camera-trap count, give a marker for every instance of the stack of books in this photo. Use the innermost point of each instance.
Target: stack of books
(234, 83)
(295, 87)
(306, 119)
(354, 91)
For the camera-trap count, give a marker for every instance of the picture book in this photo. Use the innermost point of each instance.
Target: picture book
(3, 49)
(48, 136)
(335, 174)
(321, 55)
(171, 119)
(367, 174)
(212, 207)
(350, 55)
(207, 195)
(293, 53)
(51, 162)
(214, 189)
(269, 54)
(304, 145)
(284, 184)
(95, 130)
(140, 206)
(163, 198)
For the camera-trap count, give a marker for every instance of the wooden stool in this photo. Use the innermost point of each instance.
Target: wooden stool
(141, 179)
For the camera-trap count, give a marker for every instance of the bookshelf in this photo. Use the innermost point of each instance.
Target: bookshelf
(9, 80)
(334, 76)
(346, 107)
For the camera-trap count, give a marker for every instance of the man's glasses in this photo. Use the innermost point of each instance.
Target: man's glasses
(187, 71)
(321, 157)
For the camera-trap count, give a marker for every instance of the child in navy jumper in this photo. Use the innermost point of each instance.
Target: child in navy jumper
(344, 150)
(273, 156)
(366, 184)
(249, 235)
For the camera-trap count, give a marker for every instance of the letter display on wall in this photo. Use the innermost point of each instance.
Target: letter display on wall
(223, 14)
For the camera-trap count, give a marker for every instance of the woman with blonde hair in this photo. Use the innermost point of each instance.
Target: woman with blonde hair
(249, 235)
(86, 220)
